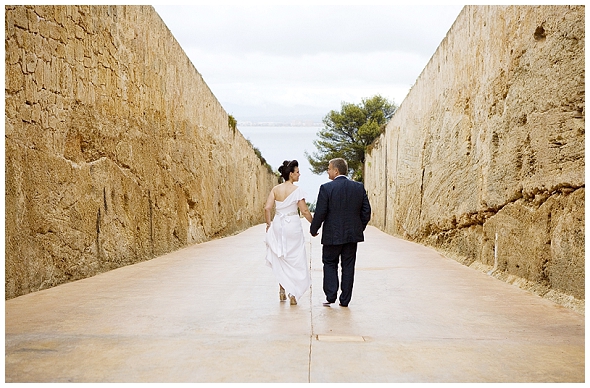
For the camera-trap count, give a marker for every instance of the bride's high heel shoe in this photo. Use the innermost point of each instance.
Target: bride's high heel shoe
(293, 300)
(282, 296)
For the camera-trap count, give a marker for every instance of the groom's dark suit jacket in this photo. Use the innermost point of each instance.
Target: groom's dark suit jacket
(343, 207)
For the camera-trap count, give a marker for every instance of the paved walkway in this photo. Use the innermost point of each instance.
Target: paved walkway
(210, 313)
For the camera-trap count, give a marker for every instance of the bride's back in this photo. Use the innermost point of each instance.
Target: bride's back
(283, 190)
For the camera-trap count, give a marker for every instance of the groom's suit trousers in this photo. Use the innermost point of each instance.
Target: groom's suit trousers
(330, 259)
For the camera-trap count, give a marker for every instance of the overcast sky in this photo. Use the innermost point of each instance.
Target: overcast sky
(263, 61)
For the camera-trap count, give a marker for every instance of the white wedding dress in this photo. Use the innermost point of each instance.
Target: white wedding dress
(285, 247)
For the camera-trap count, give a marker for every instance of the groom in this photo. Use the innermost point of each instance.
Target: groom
(343, 207)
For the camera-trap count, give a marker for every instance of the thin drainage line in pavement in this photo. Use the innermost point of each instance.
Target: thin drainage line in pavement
(310, 317)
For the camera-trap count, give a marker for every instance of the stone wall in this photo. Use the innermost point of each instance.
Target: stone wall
(484, 160)
(116, 149)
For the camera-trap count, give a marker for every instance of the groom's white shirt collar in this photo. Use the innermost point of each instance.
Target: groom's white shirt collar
(343, 176)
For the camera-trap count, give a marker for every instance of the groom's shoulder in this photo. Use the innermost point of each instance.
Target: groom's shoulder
(356, 186)
(327, 185)
(349, 182)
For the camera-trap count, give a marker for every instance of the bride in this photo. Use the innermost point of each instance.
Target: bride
(285, 243)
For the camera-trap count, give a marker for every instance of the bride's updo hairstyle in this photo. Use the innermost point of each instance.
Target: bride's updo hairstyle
(287, 168)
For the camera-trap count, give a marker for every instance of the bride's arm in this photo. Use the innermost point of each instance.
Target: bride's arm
(304, 210)
(270, 202)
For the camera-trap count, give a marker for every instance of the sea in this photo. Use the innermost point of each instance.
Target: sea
(277, 144)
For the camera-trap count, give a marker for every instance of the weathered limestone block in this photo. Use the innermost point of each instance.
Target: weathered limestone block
(116, 149)
(42, 194)
(485, 157)
(566, 269)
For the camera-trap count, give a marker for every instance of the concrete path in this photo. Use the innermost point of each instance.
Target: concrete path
(210, 313)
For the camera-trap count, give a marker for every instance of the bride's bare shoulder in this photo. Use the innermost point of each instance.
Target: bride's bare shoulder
(277, 189)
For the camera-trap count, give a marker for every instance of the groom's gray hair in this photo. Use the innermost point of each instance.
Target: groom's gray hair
(340, 165)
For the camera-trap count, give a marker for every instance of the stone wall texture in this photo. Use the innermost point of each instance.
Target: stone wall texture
(116, 149)
(484, 160)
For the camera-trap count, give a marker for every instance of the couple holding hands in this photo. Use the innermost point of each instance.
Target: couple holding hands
(342, 207)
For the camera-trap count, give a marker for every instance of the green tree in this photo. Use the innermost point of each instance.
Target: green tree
(232, 123)
(346, 134)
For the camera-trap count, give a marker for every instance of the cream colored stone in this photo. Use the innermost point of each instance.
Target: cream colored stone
(490, 142)
(15, 79)
(13, 54)
(18, 17)
(110, 167)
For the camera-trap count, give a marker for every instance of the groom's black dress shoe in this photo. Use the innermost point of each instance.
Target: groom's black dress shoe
(343, 305)
(326, 303)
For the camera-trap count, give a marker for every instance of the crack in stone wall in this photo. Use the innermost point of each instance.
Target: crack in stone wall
(486, 153)
(116, 149)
